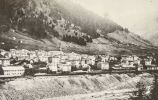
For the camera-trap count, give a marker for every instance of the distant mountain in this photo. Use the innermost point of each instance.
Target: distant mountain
(51, 24)
(153, 39)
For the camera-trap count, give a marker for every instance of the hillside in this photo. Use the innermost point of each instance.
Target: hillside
(50, 24)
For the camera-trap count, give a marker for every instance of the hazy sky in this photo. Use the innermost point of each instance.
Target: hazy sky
(140, 16)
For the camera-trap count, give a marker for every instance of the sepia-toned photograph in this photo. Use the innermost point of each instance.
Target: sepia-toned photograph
(78, 49)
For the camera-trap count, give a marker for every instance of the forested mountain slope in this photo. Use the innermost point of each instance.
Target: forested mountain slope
(50, 24)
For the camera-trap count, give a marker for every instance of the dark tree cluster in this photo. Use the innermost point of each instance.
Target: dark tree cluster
(88, 38)
(74, 39)
(125, 30)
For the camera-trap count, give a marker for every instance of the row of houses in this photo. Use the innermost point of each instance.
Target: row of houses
(44, 56)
